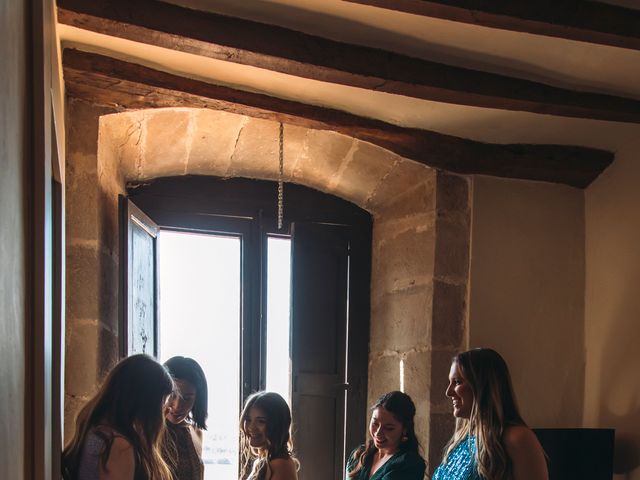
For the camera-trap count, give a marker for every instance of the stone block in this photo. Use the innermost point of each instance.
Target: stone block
(91, 285)
(449, 313)
(82, 128)
(82, 347)
(361, 175)
(256, 153)
(402, 261)
(452, 250)
(166, 143)
(452, 193)
(322, 159)
(408, 189)
(108, 354)
(215, 134)
(109, 215)
(81, 206)
(402, 320)
(122, 138)
(384, 375)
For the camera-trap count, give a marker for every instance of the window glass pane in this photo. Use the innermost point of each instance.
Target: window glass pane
(278, 325)
(199, 301)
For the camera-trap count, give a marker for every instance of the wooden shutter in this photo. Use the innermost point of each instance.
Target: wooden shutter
(138, 312)
(319, 317)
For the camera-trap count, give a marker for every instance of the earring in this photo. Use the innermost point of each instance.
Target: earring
(404, 438)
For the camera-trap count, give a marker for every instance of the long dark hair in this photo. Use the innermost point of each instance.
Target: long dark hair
(185, 368)
(279, 444)
(129, 403)
(494, 409)
(400, 405)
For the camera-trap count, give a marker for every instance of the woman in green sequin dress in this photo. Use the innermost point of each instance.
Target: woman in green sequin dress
(491, 440)
(392, 451)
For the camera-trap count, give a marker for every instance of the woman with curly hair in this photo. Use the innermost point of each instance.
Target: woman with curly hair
(266, 447)
(491, 440)
(392, 452)
(119, 431)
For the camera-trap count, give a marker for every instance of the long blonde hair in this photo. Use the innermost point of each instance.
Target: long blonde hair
(129, 404)
(494, 409)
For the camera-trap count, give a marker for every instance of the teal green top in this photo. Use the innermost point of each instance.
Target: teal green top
(402, 466)
(461, 463)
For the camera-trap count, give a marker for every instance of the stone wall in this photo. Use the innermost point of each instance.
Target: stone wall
(419, 239)
(91, 262)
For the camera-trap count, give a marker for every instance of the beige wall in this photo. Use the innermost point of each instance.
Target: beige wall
(526, 292)
(13, 221)
(612, 304)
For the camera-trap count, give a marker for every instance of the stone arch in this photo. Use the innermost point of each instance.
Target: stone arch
(403, 196)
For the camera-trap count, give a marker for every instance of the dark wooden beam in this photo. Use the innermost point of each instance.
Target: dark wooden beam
(124, 85)
(294, 53)
(581, 20)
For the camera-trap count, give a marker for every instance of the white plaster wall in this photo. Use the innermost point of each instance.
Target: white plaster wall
(612, 304)
(526, 292)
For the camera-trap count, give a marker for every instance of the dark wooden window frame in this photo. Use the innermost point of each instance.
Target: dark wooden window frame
(247, 208)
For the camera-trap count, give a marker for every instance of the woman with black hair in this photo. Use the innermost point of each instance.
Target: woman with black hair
(392, 452)
(186, 415)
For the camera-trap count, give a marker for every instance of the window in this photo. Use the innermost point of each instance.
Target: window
(302, 297)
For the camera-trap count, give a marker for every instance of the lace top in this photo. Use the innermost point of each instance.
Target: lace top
(461, 463)
(186, 463)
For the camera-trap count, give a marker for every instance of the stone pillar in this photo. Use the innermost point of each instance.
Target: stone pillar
(450, 281)
(91, 263)
(404, 242)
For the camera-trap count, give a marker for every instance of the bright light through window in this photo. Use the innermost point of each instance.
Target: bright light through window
(278, 325)
(199, 302)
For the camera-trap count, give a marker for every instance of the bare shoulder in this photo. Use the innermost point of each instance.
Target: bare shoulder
(525, 452)
(283, 469)
(121, 462)
(519, 436)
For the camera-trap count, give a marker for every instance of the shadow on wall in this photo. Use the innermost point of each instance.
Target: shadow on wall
(620, 392)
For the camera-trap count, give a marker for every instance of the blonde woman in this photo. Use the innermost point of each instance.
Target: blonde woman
(491, 440)
(119, 431)
(266, 447)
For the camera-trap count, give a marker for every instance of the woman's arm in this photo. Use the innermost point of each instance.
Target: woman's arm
(283, 469)
(121, 463)
(526, 454)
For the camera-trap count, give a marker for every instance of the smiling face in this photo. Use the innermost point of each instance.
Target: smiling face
(181, 401)
(255, 427)
(385, 430)
(459, 391)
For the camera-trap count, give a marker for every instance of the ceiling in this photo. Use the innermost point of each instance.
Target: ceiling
(507, 112)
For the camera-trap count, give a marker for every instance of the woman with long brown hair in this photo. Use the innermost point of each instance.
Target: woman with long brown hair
(119, 431)
(266, 447)
(491, 440)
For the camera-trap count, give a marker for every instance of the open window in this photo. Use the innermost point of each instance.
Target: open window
(209, 275)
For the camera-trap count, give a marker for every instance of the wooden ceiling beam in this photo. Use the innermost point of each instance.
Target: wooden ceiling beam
(301, 55)
(585, 21)
(123, 85)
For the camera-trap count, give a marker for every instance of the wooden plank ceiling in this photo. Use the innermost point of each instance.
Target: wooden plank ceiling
(110, 81)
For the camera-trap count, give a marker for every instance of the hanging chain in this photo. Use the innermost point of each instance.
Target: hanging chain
(280, 179)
